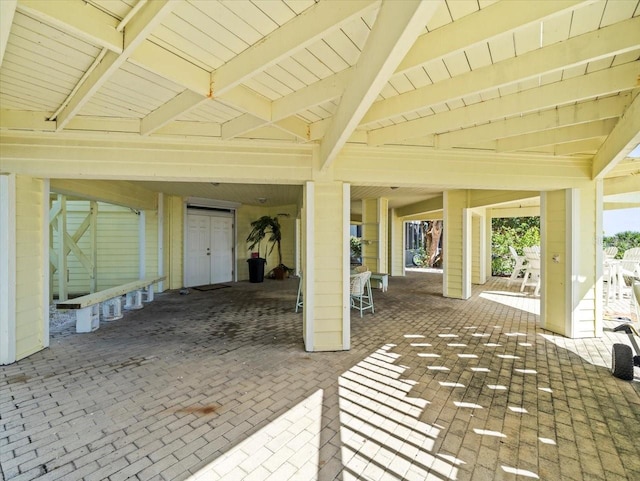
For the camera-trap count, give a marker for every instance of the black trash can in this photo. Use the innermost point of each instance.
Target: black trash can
(256, 269)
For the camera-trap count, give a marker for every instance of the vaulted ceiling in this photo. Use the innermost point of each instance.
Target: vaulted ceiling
(546, 78)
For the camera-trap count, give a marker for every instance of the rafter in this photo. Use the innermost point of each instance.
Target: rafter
(498, 18)
(396, 28)
(558, 135)
(600, 83)
(606, 42)
(622, 140)
(579, 146)
(179, 105)
(297, 34)
(7, 11)
(548, 119)
(135, 33)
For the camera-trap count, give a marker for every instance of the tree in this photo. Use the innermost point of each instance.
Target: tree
(518, 232)
(623, 241)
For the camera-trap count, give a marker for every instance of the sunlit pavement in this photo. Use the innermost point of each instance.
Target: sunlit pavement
(217, 385)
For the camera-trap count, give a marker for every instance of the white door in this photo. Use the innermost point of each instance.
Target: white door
(209, 250)
(221, 249)
(198, 270)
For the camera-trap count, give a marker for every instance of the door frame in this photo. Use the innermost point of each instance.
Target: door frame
(213, 208)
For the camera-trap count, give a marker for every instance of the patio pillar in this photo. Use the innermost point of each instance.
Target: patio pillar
(375, 254)
(571, 267)
(325, 259)
(479, 247)
(456, 245)
(396, 244)
(24, 266)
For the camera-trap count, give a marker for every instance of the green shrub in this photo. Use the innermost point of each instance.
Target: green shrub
(623, 241)
(518, 232)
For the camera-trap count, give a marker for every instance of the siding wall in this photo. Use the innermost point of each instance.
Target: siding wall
(31, 310)
(118, 237)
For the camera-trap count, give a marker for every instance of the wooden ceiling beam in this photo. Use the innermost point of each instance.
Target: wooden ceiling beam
(395, 30)
(605, 42)
(576, 89)
(623, 139)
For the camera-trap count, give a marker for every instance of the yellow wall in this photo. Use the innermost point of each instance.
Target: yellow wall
(248, 213)
(31, 309)
(117, 246)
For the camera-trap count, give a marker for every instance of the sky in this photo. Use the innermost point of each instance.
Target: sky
(620, 220)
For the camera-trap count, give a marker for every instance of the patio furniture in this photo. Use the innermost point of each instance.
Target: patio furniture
(360, 292)
(610, 252)
(520, 264)
(532, 274)
(299, 299)
(628, 268)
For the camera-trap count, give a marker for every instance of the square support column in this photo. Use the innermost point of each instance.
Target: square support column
(24, 266)
(571, 267)
(326, 247)
(375, 229)
(396, 244)
(457, 245)
(478, 247)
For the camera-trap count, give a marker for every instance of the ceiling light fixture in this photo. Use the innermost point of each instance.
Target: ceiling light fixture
(394, 188)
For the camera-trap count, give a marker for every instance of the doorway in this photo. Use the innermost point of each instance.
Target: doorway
(210, 251)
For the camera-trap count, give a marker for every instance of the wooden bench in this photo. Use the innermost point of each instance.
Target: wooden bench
(88, 307)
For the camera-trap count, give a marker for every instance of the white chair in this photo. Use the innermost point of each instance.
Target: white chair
(360, 290)
(299, 300)
(629, 267)
(532, 274)
(610, 252)
(520, 264)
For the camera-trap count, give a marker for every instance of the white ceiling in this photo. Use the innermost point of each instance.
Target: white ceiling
(544, 78)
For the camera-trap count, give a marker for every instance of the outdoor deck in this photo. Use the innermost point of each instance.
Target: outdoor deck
(217, 385)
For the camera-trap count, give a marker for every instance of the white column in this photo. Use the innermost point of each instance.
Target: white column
(396, 244)
(46, 293)
(8, 269)
(142, 245)
(161, 241)
(62, 249)
(93, 234)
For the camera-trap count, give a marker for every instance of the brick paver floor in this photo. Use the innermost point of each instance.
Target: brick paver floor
(217, 385)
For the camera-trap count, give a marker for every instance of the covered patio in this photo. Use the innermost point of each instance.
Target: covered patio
(217, 385)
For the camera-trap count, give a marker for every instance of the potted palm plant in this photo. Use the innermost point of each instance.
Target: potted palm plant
(267, 225)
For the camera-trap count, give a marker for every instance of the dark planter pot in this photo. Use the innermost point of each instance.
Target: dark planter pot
(256, 269)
